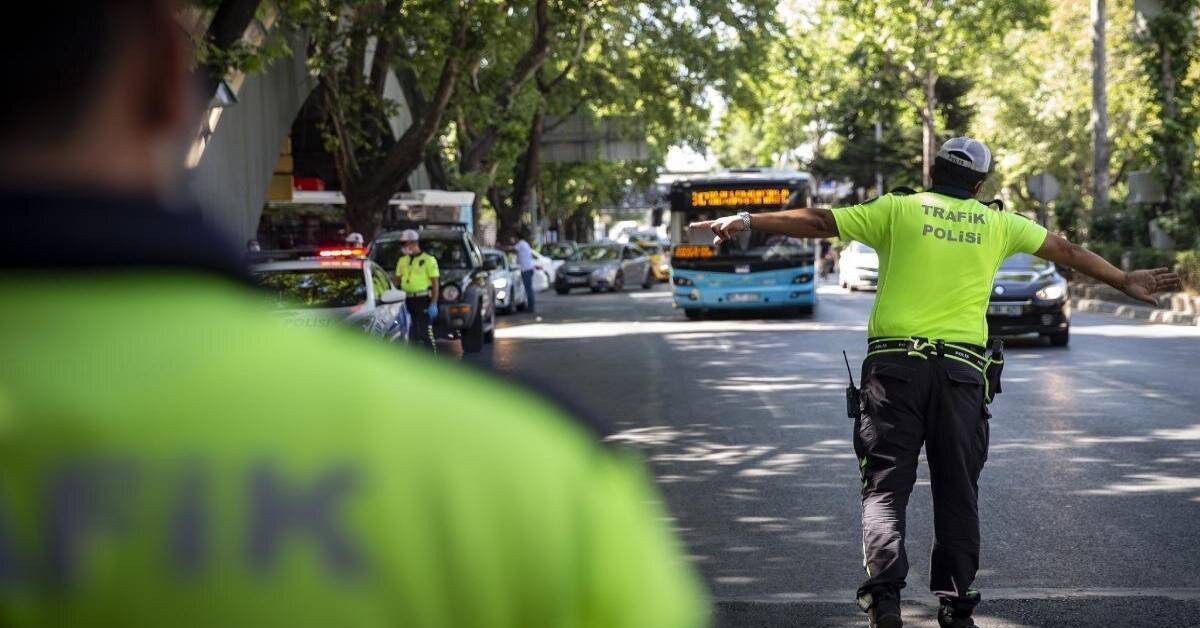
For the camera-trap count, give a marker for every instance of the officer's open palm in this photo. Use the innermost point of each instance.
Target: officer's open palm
(1144, 284)
(724, 228)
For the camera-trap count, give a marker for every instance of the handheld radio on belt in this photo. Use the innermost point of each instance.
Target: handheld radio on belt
(853, 408)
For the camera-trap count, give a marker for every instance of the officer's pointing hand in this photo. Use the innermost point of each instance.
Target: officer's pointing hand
(1143, 284)
(725, 228)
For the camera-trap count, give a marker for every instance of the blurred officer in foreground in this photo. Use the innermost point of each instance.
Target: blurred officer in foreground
(171, 455)
(926, 379)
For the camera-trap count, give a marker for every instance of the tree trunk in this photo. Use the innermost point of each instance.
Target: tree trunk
(928, 130)
(1099, 112)
(1171, 115)
(364, 211)
(508, 218)
(526, 172)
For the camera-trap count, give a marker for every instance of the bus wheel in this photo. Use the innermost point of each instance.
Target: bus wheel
(693, 314)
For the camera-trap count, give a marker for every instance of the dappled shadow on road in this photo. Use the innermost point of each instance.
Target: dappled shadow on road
(1057, 612)
(743, 423)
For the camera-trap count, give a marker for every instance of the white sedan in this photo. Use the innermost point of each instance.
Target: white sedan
(545, 269)
(858, 267)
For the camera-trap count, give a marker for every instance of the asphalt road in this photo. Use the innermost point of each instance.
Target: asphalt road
(1090, 498)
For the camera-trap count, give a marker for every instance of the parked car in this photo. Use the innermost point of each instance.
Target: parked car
(858, 267)
(605, 267)
(1029, 296)
(506, 278)
(316, 291)
(660, 262)
(558, 252)
(467, 304)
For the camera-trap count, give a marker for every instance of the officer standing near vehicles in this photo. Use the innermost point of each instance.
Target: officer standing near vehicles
(927, 378)
(180, 456)
(417, 273)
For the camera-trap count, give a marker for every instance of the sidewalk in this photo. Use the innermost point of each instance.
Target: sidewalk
(1173, 309)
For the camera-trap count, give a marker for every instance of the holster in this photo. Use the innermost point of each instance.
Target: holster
(994, 368)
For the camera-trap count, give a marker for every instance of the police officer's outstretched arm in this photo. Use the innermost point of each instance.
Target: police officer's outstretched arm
(1139, 284)
(798, 223)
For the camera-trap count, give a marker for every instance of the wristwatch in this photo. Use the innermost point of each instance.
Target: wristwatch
(745, 216)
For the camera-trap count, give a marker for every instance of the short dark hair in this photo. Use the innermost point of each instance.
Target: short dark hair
(946, 172)
(56, 60)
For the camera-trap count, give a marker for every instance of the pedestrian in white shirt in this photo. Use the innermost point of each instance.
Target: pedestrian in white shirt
(525, 261)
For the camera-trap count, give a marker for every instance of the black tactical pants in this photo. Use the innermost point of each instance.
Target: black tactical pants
(422, 325)
(907, 402)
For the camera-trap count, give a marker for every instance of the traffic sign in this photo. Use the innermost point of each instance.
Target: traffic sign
(1043, 187)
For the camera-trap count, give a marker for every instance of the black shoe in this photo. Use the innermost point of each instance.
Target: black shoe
(884, 611)
(955, 615)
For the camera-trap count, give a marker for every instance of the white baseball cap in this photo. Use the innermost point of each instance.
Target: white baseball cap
(968, 153)
(409, 235)
(354, 238)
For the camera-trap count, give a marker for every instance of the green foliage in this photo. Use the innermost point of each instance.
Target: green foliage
(1187, 264)
(1139, 256)
(1169, 49)
(243, 56)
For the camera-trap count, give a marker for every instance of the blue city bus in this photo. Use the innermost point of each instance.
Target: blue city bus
(754, 271)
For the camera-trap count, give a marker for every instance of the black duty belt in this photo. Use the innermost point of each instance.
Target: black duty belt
(972, 355)
(417, 295)
(922, 348)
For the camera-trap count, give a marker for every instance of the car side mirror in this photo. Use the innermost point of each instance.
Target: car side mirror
(392, 296)
(489, 264)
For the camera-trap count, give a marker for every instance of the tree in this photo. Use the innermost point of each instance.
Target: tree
(936, 40)
(653, 66)
(353, 46)
(1036, 109)
(1169, 42)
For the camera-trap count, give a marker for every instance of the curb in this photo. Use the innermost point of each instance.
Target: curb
(1135, 312)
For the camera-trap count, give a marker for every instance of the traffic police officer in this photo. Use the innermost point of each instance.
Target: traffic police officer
(417, 273)
(924, 378)
(180, 456)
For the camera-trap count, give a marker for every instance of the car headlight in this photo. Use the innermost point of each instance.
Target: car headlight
(451, 293)
(683, 281)
(802, 278)
(1052, 292)
(500, 283)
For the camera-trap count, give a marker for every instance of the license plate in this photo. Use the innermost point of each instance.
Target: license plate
(741, 268)
(1004, 310)
(742, 297)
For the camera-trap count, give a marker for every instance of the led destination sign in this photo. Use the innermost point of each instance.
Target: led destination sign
(740, 197)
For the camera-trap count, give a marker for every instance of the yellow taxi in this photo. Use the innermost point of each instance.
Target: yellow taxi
(660, 262)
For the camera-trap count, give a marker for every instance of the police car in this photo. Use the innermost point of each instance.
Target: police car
(333, 286)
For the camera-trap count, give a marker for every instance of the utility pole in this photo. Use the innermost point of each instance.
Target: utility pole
(1099, 113)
